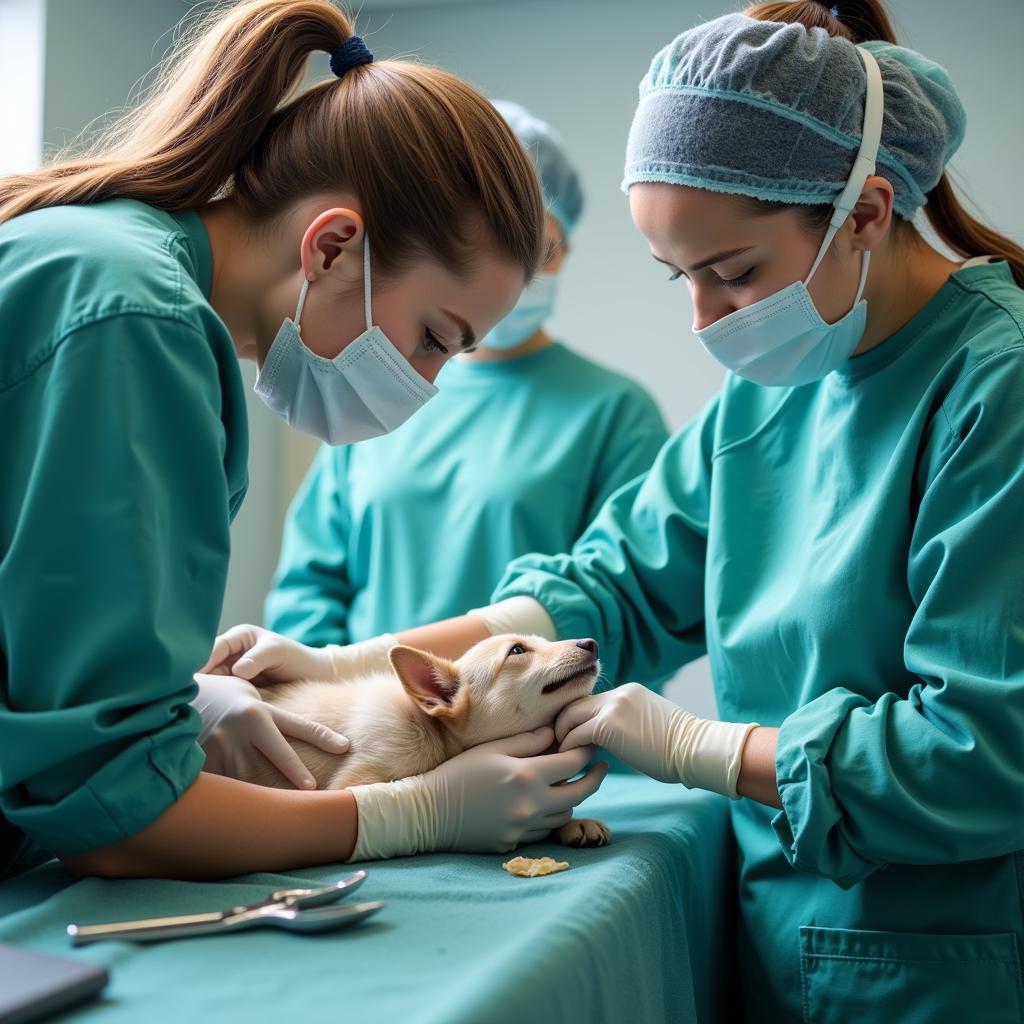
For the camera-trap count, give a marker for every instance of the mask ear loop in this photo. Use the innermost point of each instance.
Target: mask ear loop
(302, 302)
(863, 165)
(366, 291)
(366, 281)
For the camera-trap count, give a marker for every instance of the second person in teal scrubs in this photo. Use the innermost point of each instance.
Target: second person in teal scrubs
(516, 454)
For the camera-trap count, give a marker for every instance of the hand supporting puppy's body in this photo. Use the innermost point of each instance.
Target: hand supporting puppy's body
(429, 710)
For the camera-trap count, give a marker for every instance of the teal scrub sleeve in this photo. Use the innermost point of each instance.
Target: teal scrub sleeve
(117, 568)
(932, 772)
(634, 440)
(634, 581)
(312, 593)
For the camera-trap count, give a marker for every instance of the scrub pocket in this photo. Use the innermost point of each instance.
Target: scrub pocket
(904, 978)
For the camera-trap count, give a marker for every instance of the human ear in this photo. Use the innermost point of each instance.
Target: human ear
(331, 233)
(872, 216)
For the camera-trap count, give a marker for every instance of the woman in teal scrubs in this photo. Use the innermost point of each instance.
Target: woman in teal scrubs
(395, 204)
(516, 454)
(842, 529)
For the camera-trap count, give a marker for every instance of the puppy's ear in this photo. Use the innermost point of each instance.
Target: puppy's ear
(432, 682)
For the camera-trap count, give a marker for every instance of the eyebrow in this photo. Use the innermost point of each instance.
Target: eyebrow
(468, 339)
(718, 257)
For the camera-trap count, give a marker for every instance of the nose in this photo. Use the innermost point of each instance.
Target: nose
(590, 646)
(708, 309)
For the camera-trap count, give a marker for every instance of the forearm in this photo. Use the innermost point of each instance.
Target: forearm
(448, 639)
(221, 827)
(757, 768)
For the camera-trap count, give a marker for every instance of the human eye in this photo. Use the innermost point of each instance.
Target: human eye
(736, 282)
(432, 343)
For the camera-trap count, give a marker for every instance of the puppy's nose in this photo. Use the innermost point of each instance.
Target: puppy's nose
(590, 646)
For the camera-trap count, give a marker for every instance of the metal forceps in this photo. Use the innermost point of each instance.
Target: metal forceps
(297, 910)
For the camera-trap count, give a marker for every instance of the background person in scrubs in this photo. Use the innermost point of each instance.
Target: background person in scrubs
(841, 529)
(396, 206)
(516, 454)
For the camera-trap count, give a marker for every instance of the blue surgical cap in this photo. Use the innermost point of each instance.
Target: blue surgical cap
(562, 192)
(775, 111)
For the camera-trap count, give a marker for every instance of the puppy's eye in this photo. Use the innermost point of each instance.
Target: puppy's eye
(517, 649)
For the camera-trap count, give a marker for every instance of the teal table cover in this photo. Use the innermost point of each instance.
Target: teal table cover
(638, 931)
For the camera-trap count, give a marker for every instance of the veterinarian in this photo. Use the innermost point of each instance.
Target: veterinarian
(516, 454)
(842, 529)
(129, 290)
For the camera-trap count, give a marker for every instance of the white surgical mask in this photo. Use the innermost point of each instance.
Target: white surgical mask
(366, 390)
(526, 317)
(782, 340)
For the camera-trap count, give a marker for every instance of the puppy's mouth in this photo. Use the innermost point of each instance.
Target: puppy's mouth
(576, 677)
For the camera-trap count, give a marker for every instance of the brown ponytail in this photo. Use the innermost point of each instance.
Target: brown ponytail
(856, 20)
(862, 21)
(967, 235)
(429, 157)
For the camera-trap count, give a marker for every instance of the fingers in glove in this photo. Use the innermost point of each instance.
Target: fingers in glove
(572, 794)
(556, 767)
(576, 713)
(553, 821)
(229, 645)
(300, 728)
(275, 748)
(583, 735)
(526, 744)
(264, 656)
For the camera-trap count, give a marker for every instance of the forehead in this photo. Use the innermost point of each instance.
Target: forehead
(496, 647)
(690, 224)
(489, 282)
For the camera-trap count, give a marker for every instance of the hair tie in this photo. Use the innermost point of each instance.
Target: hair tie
(350, 54)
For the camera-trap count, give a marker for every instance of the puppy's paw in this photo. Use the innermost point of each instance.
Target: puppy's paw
(584, 832)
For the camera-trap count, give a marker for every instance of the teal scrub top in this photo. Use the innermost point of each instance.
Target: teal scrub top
(124, 459)
(851, 556)
(419, 525)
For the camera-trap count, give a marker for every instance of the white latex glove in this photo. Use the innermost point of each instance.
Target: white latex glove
(363, 658)
(488, 799)
(519, 614)
(657, 737)
(239, 729)
(263, 657)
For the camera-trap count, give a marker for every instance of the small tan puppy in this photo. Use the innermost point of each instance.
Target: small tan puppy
(431, 709)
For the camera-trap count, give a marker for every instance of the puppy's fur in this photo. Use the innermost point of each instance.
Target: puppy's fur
(431, 709)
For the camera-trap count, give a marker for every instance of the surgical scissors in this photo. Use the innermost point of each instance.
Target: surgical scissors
(300, 910)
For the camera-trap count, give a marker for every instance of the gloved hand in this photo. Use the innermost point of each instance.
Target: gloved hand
(264, 657)
(239, 729)
(487, 799)
(657, 737)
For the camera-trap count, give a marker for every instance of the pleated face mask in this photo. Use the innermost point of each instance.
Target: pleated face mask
(782, 340)
(365, 391)
(530, 313)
